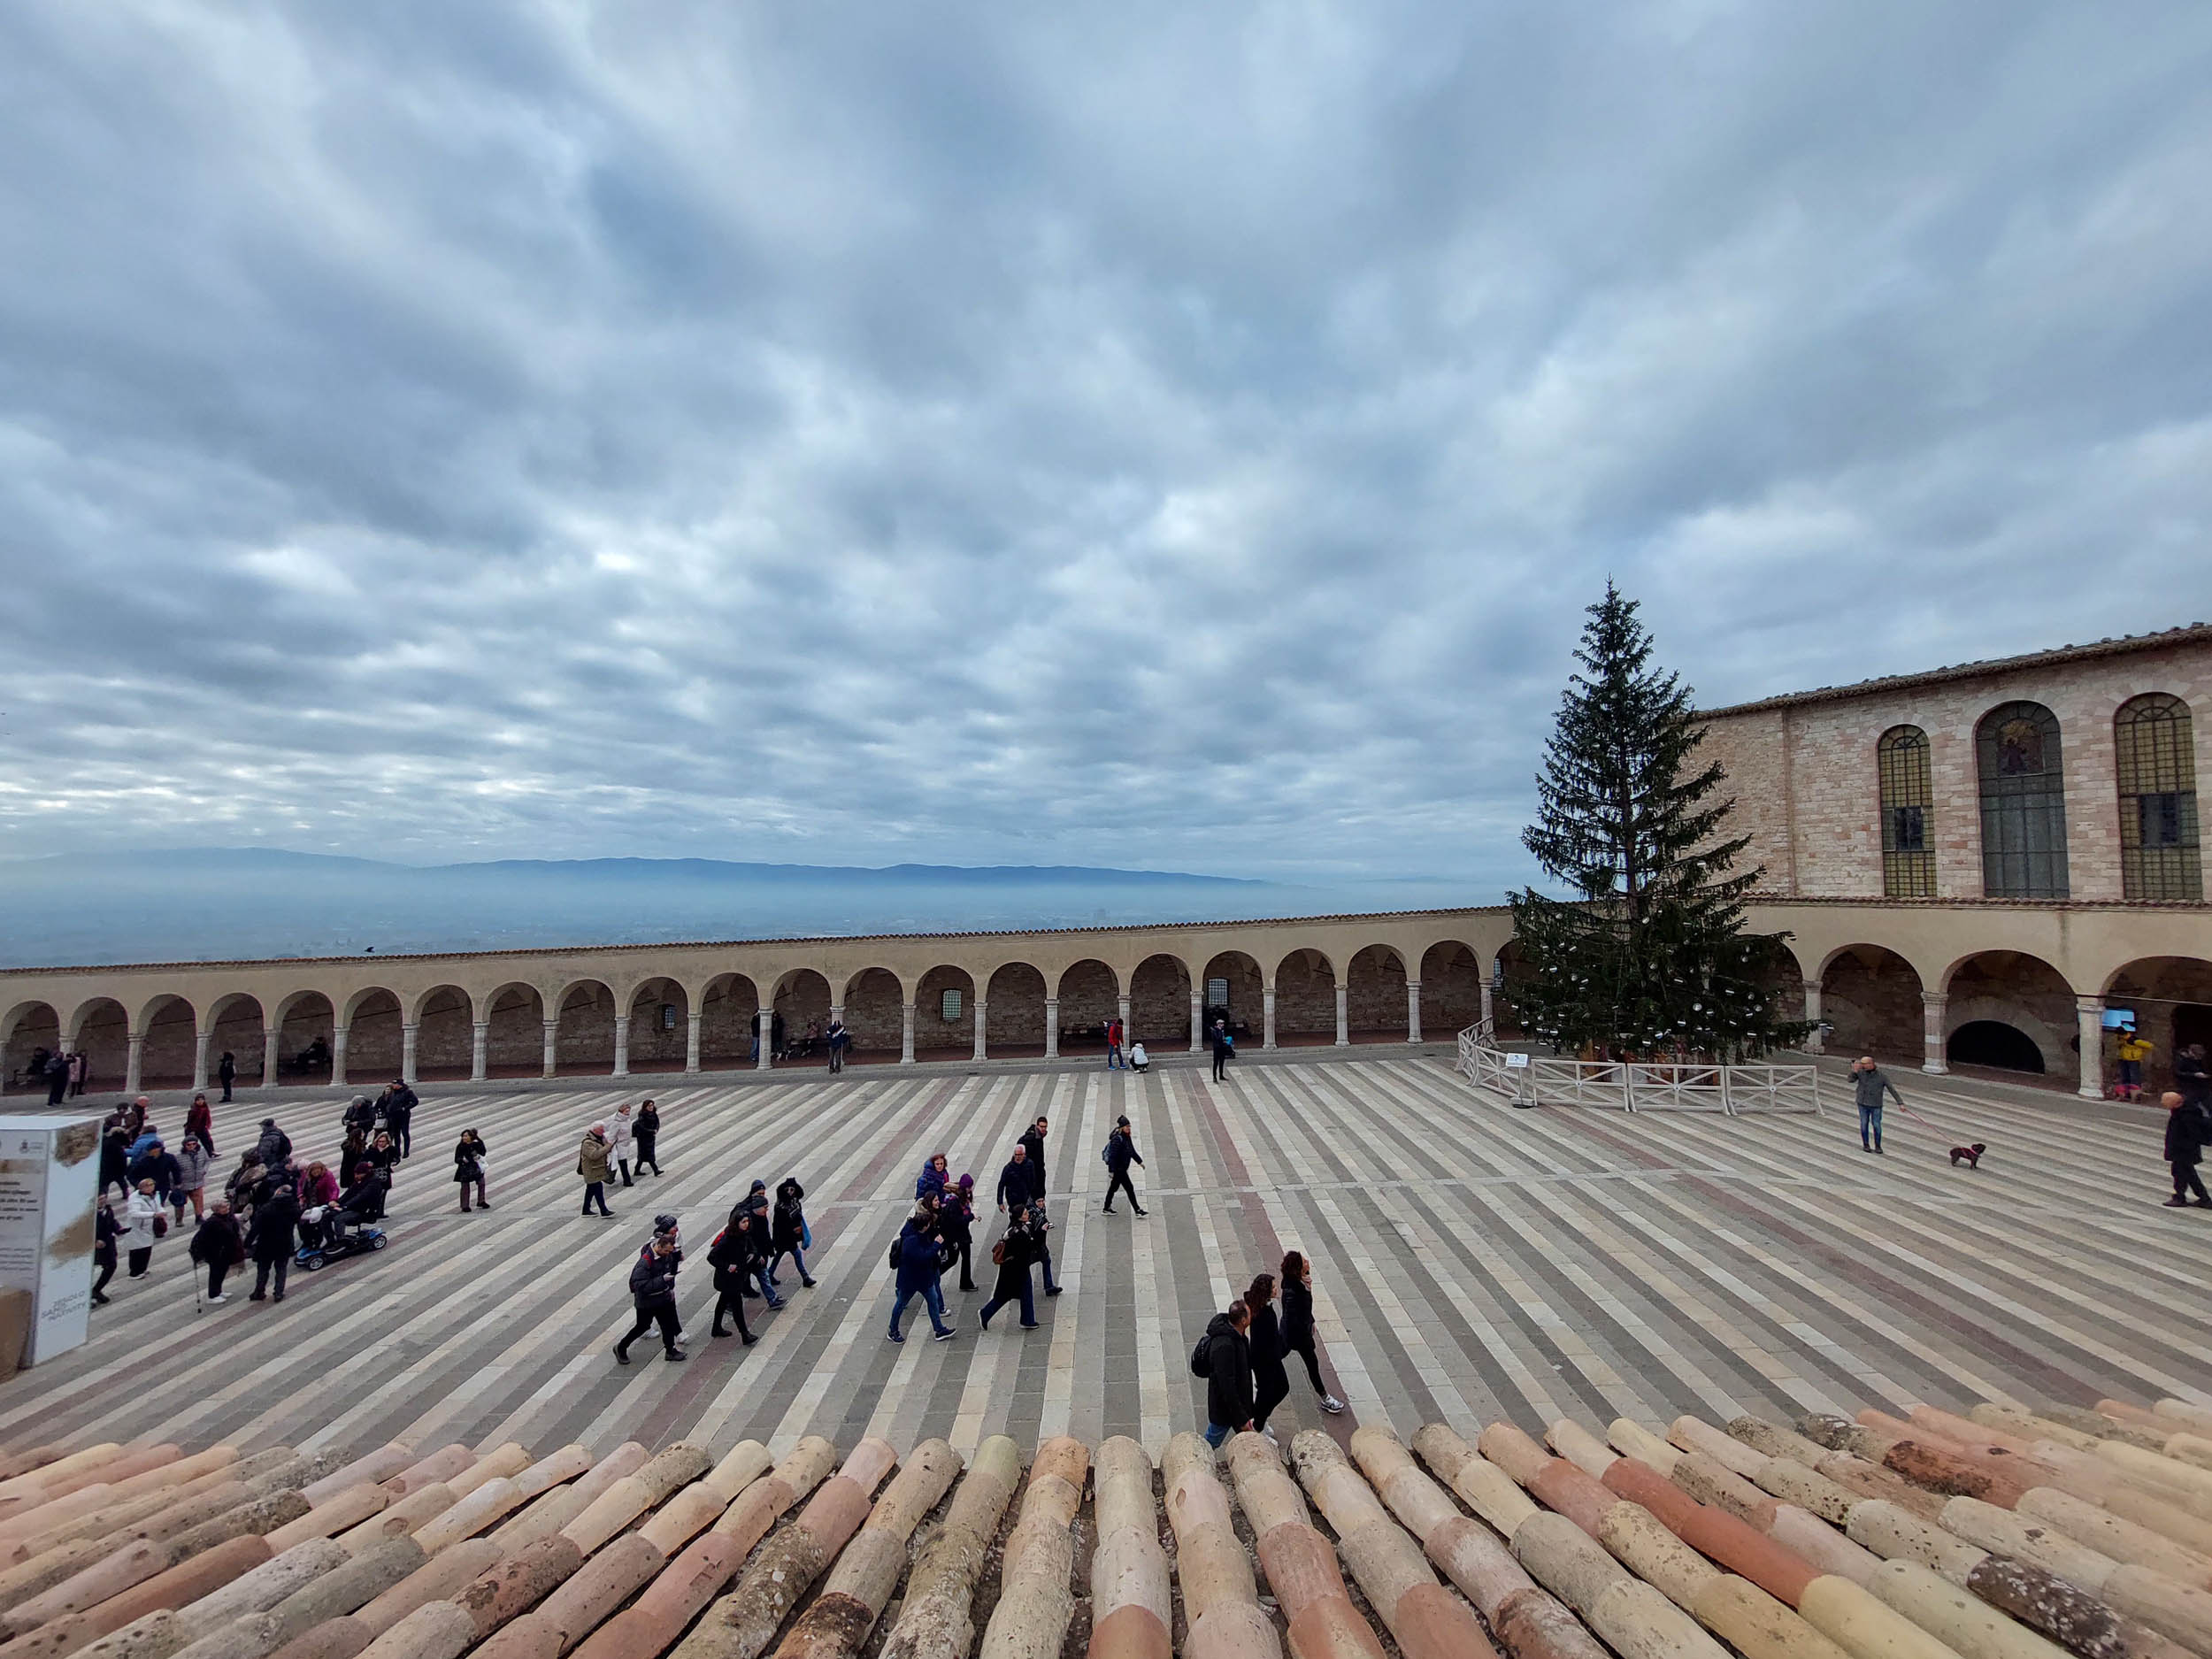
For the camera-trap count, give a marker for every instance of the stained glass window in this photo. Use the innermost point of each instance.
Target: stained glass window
(2152, 743)
(1907, 808)
(2023, 803)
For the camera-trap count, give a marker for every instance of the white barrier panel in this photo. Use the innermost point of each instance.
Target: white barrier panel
(1529, 1080)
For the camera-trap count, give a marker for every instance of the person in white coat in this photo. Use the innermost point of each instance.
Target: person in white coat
(147, 1222)
(618, 1139)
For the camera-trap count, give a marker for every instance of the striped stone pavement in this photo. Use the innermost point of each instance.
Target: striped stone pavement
(1473, 1263)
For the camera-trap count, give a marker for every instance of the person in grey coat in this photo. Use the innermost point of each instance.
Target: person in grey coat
(190, 1180)
(1868, 1084)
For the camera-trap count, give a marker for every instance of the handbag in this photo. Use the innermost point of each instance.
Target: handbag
(998, 1253)
(161, 1226)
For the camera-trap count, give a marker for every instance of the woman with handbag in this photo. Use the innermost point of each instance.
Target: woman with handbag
(468, 1167)
(1012, 1256)
(645, 1131)
(219, 1246)
(730, 1255)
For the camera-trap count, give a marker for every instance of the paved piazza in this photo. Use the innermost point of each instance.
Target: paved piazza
(1472, 1262)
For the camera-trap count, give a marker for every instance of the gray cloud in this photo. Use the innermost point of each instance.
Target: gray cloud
(1124, 436)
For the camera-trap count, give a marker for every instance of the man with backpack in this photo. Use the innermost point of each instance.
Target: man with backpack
(1224, 1358)
(1224, 1046)
(653, 1289)
(915, 1255)
(1120, 1152)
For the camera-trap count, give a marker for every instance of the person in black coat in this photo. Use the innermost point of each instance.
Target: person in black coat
(398, 1103)
(788, 1229)
(105, 1230)
(1121, 1152)
(115, 1144)
(646, 1132)
(468, 1153)
(1271, 1383)
(1032, 1142)
(1013, 1255)
(730, 1256)
(1297, 1325)
(2186, 1130)
(226, 1073)
(653, 1290)
(219, 1246)
(275, 1146)
(955, 1224)
(2193, 1076)
(271, 1240)
(1013, 1181)
(158, 1165)
(1228, 1374)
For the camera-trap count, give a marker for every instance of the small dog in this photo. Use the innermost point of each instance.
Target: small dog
(1972, 1155)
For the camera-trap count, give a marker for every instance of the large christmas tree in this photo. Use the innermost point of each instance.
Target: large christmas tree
(1650, 959)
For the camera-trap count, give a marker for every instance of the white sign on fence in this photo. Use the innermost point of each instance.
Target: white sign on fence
(1517, 1061)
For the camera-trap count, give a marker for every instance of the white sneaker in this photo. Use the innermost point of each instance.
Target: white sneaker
(1331, 1404)
(211, 1300)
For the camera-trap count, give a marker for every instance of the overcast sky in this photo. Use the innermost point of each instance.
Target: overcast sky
(1146, 435)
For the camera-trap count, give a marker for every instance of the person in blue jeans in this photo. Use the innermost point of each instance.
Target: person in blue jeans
(1868, 1084)
(918, 1274)
(1228, 1374)
(1113, 1044)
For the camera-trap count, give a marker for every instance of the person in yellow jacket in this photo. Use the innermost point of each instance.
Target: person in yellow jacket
(2134, 1049)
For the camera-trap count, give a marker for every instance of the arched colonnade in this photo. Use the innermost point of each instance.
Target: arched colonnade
(694, 1008)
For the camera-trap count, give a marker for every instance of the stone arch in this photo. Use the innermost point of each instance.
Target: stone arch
(936, 1037)
(171, 1032)
(1993, 1045)
(514, 1036)
(729, 1003)
(2172, 999)
(236, 1024)
(1090, 998)
(1159, 1001)
(660, 1024)
(2011, 987)
(1305, 998)
(375, 1045)
(583, 1042)
(1451, 988)
(875, 1013)
(1234, 988)
(1375, 995)
(306, 1028)
(1014, 1018)
(100, 1030)
(801, 1005)
(444, 1017)
(1869, 996)
(30, 1030)
(1785, 984)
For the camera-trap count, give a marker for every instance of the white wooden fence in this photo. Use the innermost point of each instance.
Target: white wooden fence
(1636, 1086)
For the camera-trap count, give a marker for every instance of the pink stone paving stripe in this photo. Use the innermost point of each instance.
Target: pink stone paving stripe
(1341, 1424)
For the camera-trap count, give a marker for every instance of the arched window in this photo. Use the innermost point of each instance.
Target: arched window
(2023, 803)
(1908, 810)
(2152, 751)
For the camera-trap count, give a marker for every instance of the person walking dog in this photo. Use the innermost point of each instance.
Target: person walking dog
(1868, 1084)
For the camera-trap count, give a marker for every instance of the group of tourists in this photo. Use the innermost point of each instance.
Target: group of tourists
(744, 1255)
(1241, 1354)
(612, 1145)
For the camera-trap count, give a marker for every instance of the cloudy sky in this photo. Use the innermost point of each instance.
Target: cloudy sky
(1149, 435)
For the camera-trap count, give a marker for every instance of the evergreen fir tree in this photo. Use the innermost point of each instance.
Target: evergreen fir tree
(1651, 957)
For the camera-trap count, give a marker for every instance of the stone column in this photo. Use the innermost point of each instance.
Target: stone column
(1487, 1013)
(622, 1045)
(906, 1034)
(1197, 1020)
(691, 1045)
(1413, 1010)
(338, 1036)
(2089, 1016)
(1128, 1034)
(979, 1032)
(1343, 1015)
(480, 1050)
(269, 1036)
(1931, 1006)
(552, 1044)
(1052, 1028)
(1267, 1018)
(1812, 1018)
(200, 1042)
(407, 1053)
(133, 1065)
(765, 1034)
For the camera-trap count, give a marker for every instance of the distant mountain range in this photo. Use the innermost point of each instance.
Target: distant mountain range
(199, 904)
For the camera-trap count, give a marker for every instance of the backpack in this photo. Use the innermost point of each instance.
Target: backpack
(894, 1262)
(1202, 1357)
(1106, 1153)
